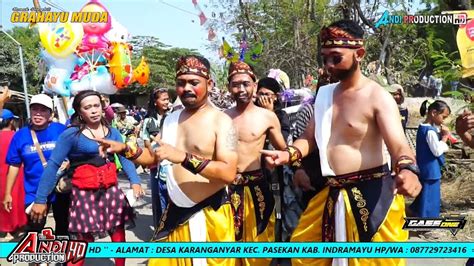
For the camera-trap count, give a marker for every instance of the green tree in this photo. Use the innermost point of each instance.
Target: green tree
(402, 52)
(10, 69)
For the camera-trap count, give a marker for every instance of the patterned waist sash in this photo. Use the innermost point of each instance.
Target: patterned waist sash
(262, 198)
(370, 194)
(174, 216)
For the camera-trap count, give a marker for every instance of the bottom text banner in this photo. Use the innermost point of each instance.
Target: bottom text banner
(271, 250)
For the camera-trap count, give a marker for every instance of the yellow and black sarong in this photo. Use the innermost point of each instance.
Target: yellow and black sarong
(174, 227)
(253, 209)
(372, 214)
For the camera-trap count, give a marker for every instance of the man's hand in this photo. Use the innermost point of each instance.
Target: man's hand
(65, 165)
(138, 190)
(464, 123)
(110, 146)
(301, 180)
(7, 202)
(276, 158)
(407, 184)
(38, 212)
(5, 95)
(265, 102)
(165, 151)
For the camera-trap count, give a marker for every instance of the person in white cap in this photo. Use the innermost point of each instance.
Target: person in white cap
(398, 94)
(43, 133)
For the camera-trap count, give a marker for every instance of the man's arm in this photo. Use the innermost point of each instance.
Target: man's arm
(224, 166)
(13, 171)
(388, 120)
(274, 133)
(306, 142)
(146, 157)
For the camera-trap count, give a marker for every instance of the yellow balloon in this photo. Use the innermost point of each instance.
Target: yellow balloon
(62, 40)
(120, 65)
(141, 73)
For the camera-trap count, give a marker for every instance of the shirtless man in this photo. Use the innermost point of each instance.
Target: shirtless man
(253, 124)
(197, 153)
(352, 120)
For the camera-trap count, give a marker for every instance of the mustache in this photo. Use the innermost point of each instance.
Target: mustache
(188, 94)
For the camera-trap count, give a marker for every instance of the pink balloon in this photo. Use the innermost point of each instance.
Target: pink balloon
(94, 31)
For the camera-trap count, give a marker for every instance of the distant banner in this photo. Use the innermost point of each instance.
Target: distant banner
(262, 250)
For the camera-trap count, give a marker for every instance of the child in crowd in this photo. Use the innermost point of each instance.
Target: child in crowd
(430, 148)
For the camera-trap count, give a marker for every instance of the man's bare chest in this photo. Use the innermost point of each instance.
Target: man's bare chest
(200, 139)
(251, 129)
(352, 120)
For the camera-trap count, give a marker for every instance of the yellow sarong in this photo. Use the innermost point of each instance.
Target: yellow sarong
(220, 228)
(309, 229)
(250, 231)
(254, 212)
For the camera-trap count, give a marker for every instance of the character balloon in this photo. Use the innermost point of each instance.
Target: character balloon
(141, 74)
(98, 80)
(60, 70)
(118, 33)
(121, 65)
(62, 40)
(94, 31)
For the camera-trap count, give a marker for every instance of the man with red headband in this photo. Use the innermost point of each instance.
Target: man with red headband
(353, 119)
(197, 154)
(250, 195)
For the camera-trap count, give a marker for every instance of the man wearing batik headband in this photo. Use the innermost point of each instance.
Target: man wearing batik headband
(197, 154)
(352, 120)
(250, 195)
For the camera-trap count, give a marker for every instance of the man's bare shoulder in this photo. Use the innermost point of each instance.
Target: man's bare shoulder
(375, 90)
(263, 113)
(222, 118)
(384, 99)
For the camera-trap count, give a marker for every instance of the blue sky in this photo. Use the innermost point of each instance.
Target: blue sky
(172, 21)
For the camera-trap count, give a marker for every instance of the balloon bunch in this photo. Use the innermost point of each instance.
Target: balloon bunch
(93, 55)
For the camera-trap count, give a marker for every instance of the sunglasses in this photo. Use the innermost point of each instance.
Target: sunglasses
(333, 59)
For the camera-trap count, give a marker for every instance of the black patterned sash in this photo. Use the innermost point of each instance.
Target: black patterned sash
(370, 194)
(262, 198)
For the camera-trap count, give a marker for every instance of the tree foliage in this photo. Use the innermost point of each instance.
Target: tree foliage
(402, 52)
(10, 68)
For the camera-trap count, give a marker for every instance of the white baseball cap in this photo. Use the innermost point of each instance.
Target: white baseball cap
(42, 99)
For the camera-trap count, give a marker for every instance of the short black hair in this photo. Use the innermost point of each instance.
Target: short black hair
(349, 26)
(269, 83)
(5, 123)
